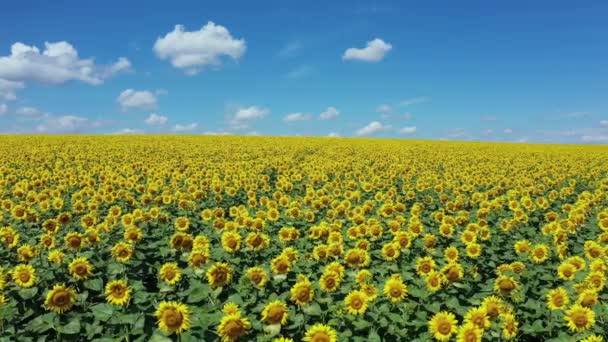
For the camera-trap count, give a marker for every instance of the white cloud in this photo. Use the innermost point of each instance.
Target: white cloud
(66, 124)
(136, 99)
(293, 117)
(456, 133)
(408, 130)
(290, 49)
(185, 128)
(217, 133)
(129, 131)
(374, 51)
(372, 128)
(31, 112)
(415, 100)
(404, 116)
(300, 72)
(334, 135)
(3, 109)
(156, 120)
(508, 131)
(595, 138)
(192, 51)
(8, 89)
(384, 108)
(604, 123)
(488, 131)
(58, 63)
(241, 118)
(329, 113)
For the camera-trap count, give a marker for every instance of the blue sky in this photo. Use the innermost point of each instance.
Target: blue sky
(532, 71)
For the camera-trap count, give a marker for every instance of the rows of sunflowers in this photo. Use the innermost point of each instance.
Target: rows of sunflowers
(158, 238)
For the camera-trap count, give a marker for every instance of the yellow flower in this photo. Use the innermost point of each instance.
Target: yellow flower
(435, 280)
(220, 274)
(117, 292)
(539, 253)
(566, 271)
(320, 333)
(24, 275)
(275, 312)
(588, 298)
(232, 327)
(505, 285)
(74, 241)
(182, 224)
(494, 306)
(557, 299)
(509, 326)
(231, 241)
(122, 252)
(281, 264)
(173, 317)
(80, 268)
(230, 308)
(469, 332)
(478, 317)
(370, 291)
(579, 318)
(443, 325)
(394, 289)
(329, 281)
(356, 302)
(60, 299)
(390, 251)
(197, 258)
(425, 265)
(302, 292)
(170, 273)
(56, 256)
(592, 338)
(257, 276)
(473, 250)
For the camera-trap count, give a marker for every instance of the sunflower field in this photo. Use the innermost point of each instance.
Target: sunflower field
(184, 238)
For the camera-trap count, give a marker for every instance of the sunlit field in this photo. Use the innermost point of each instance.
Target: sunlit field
(159, 238)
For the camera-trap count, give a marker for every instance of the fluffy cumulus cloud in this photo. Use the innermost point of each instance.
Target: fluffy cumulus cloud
(192, 51)
(58, 63)
(31, 112)
(384, 108)
(131, 99)
(408, 130)
(604, 123)
(8, 89)
(129, 131)
(293, 117)
(185, 128)
(374, 51)
(329, 113)
(67, 124)
(156, 120)
(372, 128)
(333, 135)
(243, 116)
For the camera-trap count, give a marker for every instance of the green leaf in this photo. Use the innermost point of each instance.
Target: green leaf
(102, 312)
(42, 323)
(373, 336)
(94, 284)
(312, 309)
(73, 327)
(159, 337)
(198, 294)
(28, 293)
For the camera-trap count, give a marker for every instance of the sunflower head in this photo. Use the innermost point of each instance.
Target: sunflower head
(443, 325)
(81, 268)
(117, 292)
(275, 313)
(24, 275)
(579, 318)
(170, 273)
(220, 274)
(302, 292)
(394, 289)
(320, 333)
(173, 317)
(232, 327)
(356, 302)
(557, 299)
(60, 298)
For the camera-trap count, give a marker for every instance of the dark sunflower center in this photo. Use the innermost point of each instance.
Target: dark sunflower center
(172, 318)
(60, 298)
(444, 327)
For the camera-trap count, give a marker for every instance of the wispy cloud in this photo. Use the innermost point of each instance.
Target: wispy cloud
(415, 100)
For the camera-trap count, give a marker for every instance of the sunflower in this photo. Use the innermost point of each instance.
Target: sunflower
(363, 276)
(230, 308)
(60, 299)
(231, 241)
(494, 306)
(473, 250)
(370, 292)
(329, 281)
(539, 253)
(566, 271)
(275, 312)
(592, 338)
(320, 333)
(133, 234)
(356, 302)
(453, 272)
(435, 280)
(283, 339)
(257, 241)
(579, 318)
(596, 280)
(173, 317)
(257, 276)
(197, 258)
(232, 327)
(425, 265)
(170, 273)
(390, 251)
(24, 275)
(47, 241)
(443, 325)
(56, 256)
(356, 257)
(81, 268)
(588, 298)
(578, 262)
(469, 332)
(302, 292)
(74, 241)
(394, 289)
(505, 285)
(509, 326)
(26, 252)
(281, 264)
(478, 317)
(117, 292)
(122, 252)
(451, 254)
(557, 299)
(522, 246)
(182, 224)
(220, 274)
